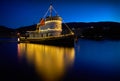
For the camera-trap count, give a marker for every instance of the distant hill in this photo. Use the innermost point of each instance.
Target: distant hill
(75, 25)
(88, 30)
(26, 28)
(3, 29)
(6, 32)
(95, 24)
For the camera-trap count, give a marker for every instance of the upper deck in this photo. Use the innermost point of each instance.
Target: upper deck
(49, 18)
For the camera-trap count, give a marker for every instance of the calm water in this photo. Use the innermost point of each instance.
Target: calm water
(87, 61)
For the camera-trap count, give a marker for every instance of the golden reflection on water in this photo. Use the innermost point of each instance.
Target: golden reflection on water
(50, 61)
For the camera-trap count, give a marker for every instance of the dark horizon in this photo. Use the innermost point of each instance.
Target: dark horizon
(70, 23)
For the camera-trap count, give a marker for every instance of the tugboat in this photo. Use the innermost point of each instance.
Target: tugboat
(49, 31)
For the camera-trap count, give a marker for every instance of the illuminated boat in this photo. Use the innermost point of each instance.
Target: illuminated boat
(49, 31)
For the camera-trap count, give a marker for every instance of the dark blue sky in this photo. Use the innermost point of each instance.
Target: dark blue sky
(17, 13)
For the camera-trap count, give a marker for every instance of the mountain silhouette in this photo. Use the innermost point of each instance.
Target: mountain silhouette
(110, 30)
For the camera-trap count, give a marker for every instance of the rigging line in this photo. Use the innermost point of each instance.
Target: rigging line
(68, 28)
(54, 10)
(63, 21)
(49, 9)
(53, 7)
(46, 12)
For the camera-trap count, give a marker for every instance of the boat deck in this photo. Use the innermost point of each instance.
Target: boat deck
(62, 40)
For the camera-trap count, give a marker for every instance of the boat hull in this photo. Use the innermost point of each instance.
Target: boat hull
(63, 40)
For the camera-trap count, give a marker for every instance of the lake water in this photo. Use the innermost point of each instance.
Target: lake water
(86, 61)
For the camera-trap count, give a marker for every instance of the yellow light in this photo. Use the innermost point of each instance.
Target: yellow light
(58, 21)
(49, 61)
(18, 39)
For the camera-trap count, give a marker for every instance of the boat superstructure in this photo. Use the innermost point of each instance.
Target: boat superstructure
(49, 26)
(48, 31)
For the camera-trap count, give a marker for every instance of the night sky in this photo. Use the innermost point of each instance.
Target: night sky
(18, 13)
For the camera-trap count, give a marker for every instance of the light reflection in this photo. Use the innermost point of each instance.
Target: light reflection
(51, 62)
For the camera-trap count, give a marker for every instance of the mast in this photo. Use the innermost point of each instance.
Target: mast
(50, 10)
